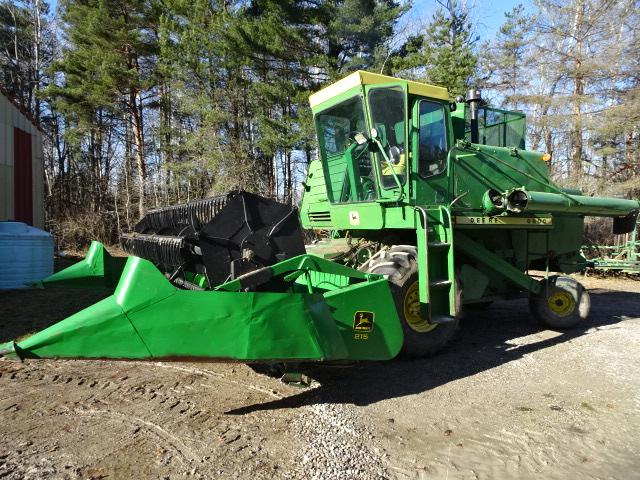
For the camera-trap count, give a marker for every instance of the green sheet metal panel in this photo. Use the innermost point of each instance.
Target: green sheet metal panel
(357, 216)
(97, 269)
(479, 168)
(148, 318)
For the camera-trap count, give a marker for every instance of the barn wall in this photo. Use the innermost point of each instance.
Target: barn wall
(10, 118)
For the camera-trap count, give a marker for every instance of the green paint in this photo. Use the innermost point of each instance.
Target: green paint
(496, 263)
(97, 269)
(148, 318)
(547, 232)
(546, 202)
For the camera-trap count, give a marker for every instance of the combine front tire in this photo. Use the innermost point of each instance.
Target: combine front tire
(562, 303)
(421, 338)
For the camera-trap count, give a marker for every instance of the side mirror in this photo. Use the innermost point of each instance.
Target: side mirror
(394, 155)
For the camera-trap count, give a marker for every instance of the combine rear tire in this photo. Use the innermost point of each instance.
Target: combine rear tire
(479, 305)
(562, 304)
(421, 338)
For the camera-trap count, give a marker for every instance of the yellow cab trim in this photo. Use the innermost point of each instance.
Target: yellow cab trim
(367, 78)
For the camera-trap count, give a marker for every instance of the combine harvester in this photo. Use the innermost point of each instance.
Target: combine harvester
(429, 204)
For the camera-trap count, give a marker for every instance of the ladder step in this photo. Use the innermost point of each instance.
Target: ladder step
(438, 244)
(440, 319)
(440, 283)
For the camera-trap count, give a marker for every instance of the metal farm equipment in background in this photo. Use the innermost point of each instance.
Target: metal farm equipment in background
(429, 205)
(623, 257)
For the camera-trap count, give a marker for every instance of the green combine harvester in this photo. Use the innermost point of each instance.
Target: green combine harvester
(426, 205)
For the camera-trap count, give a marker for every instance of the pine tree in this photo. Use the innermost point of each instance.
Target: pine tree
(576, 43)
(108, 66)
(245, 70)
(504, 62)
(615, 131)
(28, 45)
(445, 53)
(355, 33)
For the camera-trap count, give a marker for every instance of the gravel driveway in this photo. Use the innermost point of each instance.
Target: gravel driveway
(506, 400)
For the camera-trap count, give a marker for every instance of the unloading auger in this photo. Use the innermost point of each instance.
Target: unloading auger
(224, 278)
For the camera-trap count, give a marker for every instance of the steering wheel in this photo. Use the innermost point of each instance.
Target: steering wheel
(359, 151)
(368, 188)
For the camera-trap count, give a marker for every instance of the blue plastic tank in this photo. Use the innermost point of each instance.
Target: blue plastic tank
(26, 255)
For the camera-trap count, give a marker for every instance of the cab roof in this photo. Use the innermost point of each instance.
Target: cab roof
(361, 77)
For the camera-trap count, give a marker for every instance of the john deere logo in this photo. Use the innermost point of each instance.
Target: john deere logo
(363, 321)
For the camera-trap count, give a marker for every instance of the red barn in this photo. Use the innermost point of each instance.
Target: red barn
(21, 165)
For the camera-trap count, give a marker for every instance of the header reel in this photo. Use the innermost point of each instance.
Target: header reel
(219, 237)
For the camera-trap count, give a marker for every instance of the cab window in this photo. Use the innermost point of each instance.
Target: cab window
(352, 181)
(433, 139)
(388, 118)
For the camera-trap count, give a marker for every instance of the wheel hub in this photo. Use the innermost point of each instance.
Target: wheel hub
(411, 309)
(561, 303)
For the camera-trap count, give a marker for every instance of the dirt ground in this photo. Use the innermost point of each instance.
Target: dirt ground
(505, 400)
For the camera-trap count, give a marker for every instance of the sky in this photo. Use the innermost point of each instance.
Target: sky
(487, 15)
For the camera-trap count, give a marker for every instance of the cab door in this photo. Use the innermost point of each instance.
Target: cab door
(387, 105)
(431, 143)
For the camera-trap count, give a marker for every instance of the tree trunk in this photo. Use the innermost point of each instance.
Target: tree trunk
(289, 179)
(127, 170)
(138, 139)
(37, 40)
(578, 90)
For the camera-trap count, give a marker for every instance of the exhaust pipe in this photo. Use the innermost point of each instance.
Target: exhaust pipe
(474, 97)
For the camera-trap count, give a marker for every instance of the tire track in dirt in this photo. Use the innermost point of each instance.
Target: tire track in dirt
(171, 409)
(177, 445)
(128, 397)
(122, 389)
(336, 444)
(222, 378)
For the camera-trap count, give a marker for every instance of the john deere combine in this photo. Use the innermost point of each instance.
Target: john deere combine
(426, 204)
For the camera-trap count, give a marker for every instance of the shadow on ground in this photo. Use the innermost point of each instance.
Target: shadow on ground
(30, 310)
(482, 343)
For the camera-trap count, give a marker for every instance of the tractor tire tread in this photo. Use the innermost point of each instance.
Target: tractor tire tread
(539, 305)
(400, 264)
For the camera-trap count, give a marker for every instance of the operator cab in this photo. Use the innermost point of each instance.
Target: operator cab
(365, 124)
